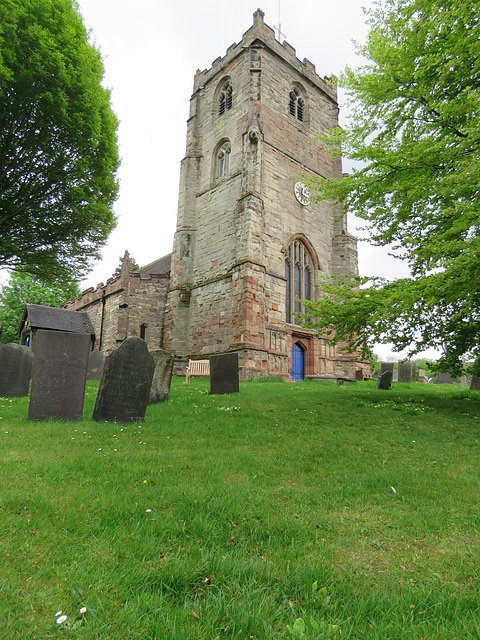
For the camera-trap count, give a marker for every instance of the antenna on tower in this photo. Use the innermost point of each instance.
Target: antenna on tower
(279, 28)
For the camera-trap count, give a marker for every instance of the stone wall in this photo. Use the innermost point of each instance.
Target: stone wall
(120, 308)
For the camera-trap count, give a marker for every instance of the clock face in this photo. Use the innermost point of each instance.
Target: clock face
(301, 194)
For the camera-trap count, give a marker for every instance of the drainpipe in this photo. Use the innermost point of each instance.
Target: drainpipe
(100, 340)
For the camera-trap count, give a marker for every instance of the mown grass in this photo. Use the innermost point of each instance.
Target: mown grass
(233, 516)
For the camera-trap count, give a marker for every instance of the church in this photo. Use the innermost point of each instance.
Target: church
(249, 244)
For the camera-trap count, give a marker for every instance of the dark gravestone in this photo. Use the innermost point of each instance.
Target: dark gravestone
(385, 379)
(95, 365)
(475, 383)
(386, 366)
(407, 371)
(359, 374)
(445, 378)
(224, 376)
(59, 374)
(162, 376)
(15, 370)
(125, 384)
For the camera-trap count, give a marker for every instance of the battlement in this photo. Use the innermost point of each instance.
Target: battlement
(260, 33)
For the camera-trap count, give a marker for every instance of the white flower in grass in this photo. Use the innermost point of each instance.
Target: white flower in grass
(394, 490)
(148, 510)
(60, 620)
(83, 610)
(59, 613)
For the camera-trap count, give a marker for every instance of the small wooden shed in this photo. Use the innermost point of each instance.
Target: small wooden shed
(37, 316)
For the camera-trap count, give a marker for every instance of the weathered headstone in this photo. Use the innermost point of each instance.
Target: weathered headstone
(15, 370)
(385, 379)
(445, 378)
(124, 388)
(462, 381)
(96, 360)
(386, 366)
(59, 374)
(162, 376)
(421, 372)
(407, 371)
(475, 383)
(224, 377)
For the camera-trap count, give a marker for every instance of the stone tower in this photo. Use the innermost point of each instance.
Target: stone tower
(249, 242)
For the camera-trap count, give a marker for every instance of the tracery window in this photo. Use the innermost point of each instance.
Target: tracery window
(298, 275)
(223, 159)
(225, 100)
(296, 105)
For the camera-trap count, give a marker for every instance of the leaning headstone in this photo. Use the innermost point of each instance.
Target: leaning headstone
(15, 370)
(407, 371)
(125, 385)
(445, 378)
(96, 360)
(59, 374)
(224, 376)
(475, 383)
(385, 379)
(162, 376)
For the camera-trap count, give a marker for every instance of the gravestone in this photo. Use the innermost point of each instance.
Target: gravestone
(162, 376)
(96, 360)
(385, 379)
(421, 373)
(445, 378)
(475, 383)
(407, 371)
(359, 375)
(59, 374)
(124, 388)
(224, 376)
(15, 370)
(386, 366)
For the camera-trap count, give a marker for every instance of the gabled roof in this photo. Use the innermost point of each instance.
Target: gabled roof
(159, 267)
(41, 317)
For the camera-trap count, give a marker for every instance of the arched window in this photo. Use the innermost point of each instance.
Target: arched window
(223, 159)
(225, 100)
(298, 275)
(296, 105)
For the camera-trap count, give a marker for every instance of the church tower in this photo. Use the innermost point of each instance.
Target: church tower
(249, 241)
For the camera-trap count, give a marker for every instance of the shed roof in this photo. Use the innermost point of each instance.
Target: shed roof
(41, 317)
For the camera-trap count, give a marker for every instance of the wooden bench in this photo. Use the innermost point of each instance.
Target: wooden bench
(197, 369)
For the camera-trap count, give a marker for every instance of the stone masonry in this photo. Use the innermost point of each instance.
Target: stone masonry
(246, 247)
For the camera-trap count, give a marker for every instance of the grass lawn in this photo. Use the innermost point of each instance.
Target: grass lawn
(301, 510)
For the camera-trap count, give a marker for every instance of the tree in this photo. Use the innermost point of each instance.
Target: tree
(21, 289)
(415, 132)
(58, 144)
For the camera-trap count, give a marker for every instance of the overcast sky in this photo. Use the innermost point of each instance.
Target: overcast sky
(151, 50)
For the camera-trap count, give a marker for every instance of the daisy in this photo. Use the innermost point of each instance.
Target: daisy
(83, 610)
(60, 620)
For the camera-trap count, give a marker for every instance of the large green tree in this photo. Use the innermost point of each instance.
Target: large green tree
(414, 134)
(58, 143)
(21, 289)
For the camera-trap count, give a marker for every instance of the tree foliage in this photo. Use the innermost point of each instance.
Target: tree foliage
(58, 144)
(414, 131)
(21, 289)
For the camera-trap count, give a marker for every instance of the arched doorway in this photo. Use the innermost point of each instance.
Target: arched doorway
(297, 371)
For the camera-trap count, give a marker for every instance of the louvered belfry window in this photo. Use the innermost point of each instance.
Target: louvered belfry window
(298, 276)
(296, 105)
(225, 99)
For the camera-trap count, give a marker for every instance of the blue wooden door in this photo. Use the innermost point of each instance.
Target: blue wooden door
(298, 371)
